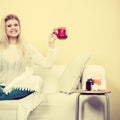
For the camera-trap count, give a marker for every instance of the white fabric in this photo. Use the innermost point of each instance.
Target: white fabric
(26, 81)
(39, 59)
(72, 73)
(56, 106)
(30, 83)
(20, 109)
(13, 65)
(60, 106)
(28, 104)
(17, 72)
(50, 77)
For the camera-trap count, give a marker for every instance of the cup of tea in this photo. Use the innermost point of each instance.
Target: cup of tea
(60, 33)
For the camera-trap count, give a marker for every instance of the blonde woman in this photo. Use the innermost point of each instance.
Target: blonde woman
(17, 79)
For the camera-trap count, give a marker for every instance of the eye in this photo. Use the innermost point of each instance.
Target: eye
(16, 24)
(9, 25)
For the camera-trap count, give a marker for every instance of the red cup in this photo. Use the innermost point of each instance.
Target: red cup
(60, 33)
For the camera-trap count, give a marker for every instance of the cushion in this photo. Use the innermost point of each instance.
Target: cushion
(70, 78)
(50, 77)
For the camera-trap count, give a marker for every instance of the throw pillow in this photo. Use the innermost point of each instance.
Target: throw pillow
(72, 73)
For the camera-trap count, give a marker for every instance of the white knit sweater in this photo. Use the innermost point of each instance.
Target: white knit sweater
(18, 73)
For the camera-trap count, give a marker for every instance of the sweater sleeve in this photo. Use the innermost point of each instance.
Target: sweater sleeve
(45, 61)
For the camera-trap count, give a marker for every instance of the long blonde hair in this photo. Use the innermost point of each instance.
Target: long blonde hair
(4, 42)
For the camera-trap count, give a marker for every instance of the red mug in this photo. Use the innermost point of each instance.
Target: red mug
(60, 33)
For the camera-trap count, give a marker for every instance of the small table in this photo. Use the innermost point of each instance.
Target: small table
(99, 92)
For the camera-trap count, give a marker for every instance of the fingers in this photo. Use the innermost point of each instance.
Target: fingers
(53, 37)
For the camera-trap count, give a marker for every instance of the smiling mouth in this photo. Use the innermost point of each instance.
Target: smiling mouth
(13, 32)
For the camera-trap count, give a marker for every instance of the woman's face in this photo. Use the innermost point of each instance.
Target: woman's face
(12, 28)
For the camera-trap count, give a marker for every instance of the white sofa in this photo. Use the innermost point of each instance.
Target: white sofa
(56, 105)
(53, 105)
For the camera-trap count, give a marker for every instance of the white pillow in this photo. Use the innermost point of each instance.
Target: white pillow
(50, 77)
(72, 73)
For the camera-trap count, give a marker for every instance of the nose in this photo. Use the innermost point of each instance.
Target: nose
(13, 27)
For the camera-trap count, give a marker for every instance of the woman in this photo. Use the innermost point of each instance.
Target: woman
(17, 79)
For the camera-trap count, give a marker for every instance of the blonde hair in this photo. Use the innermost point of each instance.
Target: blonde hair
(4, 42)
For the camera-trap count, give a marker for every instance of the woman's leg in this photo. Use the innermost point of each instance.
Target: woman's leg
(15, 94)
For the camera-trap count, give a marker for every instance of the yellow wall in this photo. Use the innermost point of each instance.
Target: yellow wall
(92, 25)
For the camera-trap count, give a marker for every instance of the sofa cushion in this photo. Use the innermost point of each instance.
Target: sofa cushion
(50, 77)
(72, 73)
(56, 106)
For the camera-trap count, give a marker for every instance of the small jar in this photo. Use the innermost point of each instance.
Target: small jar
(89, 84)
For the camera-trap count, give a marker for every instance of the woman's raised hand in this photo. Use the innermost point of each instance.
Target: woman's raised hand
(52, 39)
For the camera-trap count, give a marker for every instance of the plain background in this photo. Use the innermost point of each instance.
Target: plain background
(92, 26)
